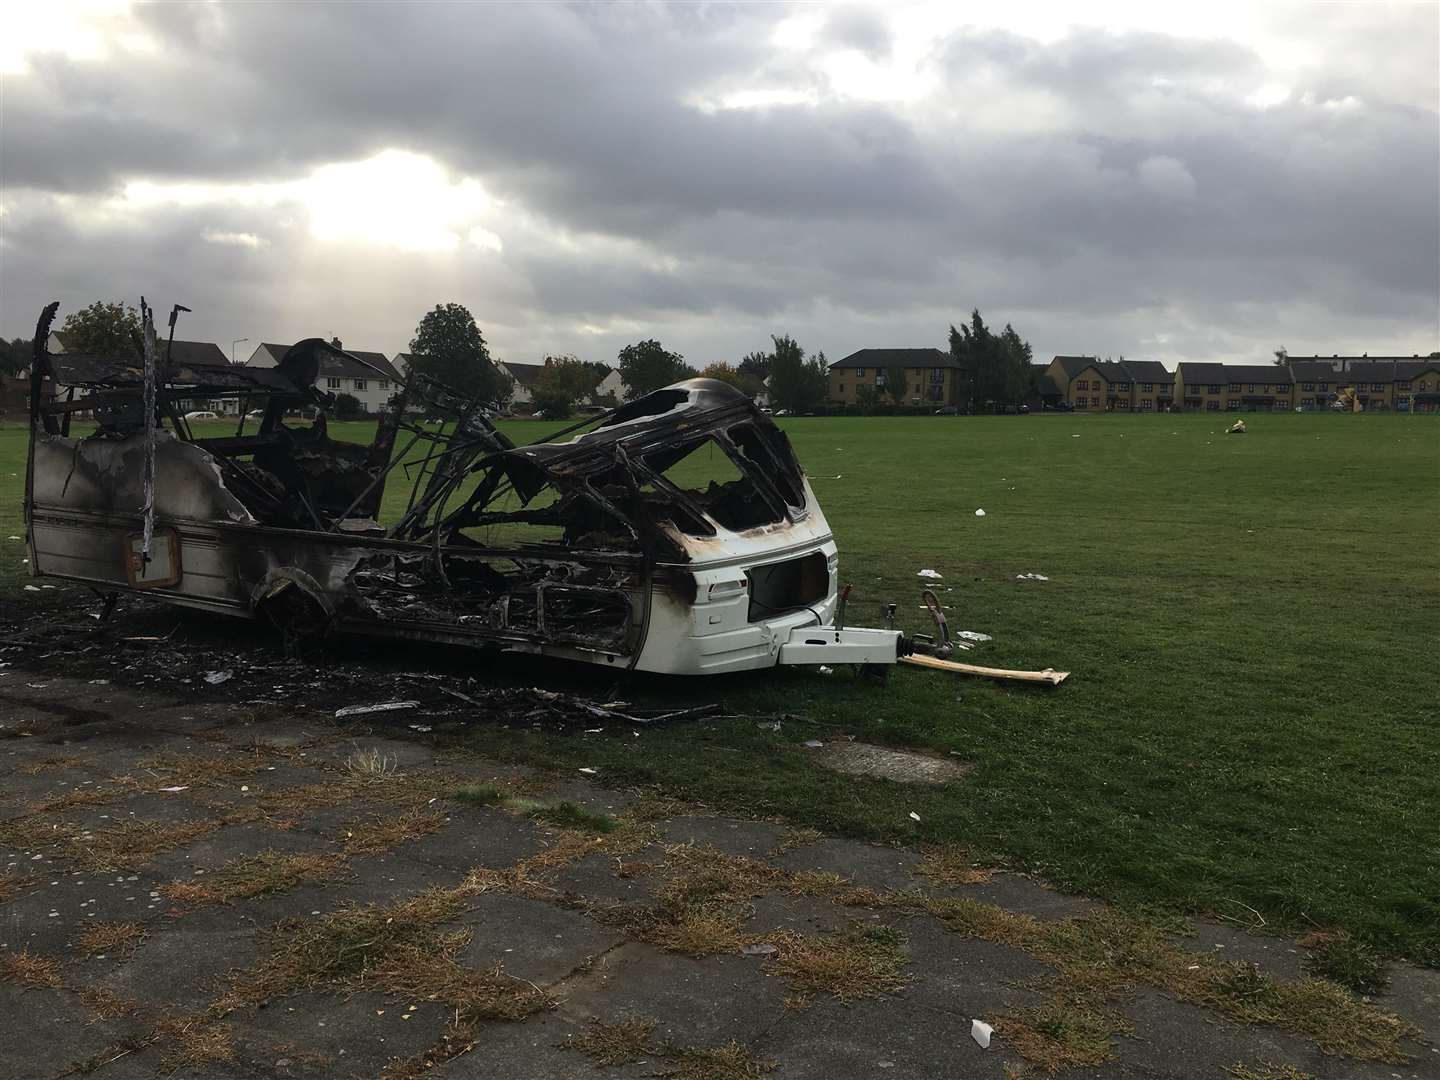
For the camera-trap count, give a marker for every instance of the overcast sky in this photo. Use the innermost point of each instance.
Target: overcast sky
(1160, 181)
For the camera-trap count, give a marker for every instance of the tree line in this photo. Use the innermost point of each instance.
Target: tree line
(994, 369)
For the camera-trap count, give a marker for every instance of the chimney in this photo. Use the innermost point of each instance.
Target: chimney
(335, 341)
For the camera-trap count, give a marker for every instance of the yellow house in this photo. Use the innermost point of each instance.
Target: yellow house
(1153, 385)
(1200, 386)
(1417, 385)
(901, 376)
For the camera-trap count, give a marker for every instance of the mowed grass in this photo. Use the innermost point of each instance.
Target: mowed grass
(1250, 729)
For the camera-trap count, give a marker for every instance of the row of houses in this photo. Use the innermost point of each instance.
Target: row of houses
(1089, 384)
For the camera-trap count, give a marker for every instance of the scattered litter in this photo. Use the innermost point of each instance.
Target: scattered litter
(826, 670)
(979, 513)
(422, 728)
(215, 677)
(386, 706)
(593, 730)
(914, 816)
(971, 635)
(929, 574)
(32, 588)
(1031, 577)
(760, 949)
(1077, 436)
(12, 538)
(981, 1032)
(588, 771)
(768, 725)
(813, 744)
(173, 790)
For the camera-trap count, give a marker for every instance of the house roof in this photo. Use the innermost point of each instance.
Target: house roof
(524, 374)
(1148, 371)
(897, 358)
(181, 352)
(1257, 373)
(1314, 371)
(1193, 374)
(371, 365)
(1073, 365)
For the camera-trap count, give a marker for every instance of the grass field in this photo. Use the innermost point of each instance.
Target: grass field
(1252, 621)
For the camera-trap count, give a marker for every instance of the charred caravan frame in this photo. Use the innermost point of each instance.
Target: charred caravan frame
(609, 552)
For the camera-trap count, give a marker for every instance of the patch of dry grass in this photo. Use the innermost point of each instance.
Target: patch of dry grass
(951, 866)
(260, 874)
(103, 938)
(368, 765)
(188, 769)
(12, 885)
(398, 949)
(125, 845)
(729, 1062)
(192, 1039)
(1059, 1034)
(30, 969)
(793, 838)
(622, 1042)
(859, 962)
(1267, 1071)
(52, 764)
(381, 833)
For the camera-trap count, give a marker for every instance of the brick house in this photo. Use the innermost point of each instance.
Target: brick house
(931, 377)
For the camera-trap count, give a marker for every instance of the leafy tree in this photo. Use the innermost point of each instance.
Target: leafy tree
(995, 368)
(897, 384)
(448, 346)
(103, 329)
(865, 397)
(562, 382)
(647, 366)
(1282, 356)
(796, 384)
(15, 356)
(347, 407)
(756, 364)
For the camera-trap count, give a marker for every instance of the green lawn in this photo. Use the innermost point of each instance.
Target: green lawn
(1252, 623)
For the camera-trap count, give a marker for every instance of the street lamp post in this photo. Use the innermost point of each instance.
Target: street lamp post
(237, 341)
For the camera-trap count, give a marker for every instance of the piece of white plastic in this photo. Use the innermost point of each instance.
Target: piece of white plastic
(981, 1032)
(914, 816)
(979, 513)
(929, 574)
(384, 706)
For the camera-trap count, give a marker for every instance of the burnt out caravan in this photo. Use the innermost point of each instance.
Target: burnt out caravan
(675, 534)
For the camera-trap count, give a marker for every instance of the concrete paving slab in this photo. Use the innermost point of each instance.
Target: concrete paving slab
(694, 1002)
(535, 1050)
(1024, 895)
(67, 901)
(478, 836)
(595, 878)
(44, 1032)
(965, 976)
(878, 1037)
(184, 961)
(315, 1034)
(864, 864)
(1276, 956)
(231, 842)
(536, 941)
(730, 835)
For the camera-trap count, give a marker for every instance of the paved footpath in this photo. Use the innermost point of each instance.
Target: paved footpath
(204, 890)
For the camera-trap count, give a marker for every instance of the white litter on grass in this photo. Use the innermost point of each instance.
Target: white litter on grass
(588, 771)
(173, 790)
(384, 706)
(1077, 436)
(759, 949)
(981, 1032)
(979, 513)
(215, 677)
(971, 635)
(813, 744)
(31, 588)
(825, 669)
(1031, 577)
(914, 816)
(919, 573)
(422, 728)
(12, 538)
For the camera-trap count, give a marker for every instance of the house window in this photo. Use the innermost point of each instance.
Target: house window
(1083, 384)
(1123, 387)
(383, 384)
(1322, 386)
(1146, 405)
(840, 388)
(1404, 384)
(859, 373)
(1235, 388)
(1212, 406)
(1094, 402)
(360, 384)
(1252, 388)
(332, 384)
(1309, 386)
(1215, 389)
(1147, 387)
(937, 375)
(1377, 387)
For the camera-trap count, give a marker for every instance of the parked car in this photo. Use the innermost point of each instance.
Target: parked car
(1064, 406)
(202, 414)
(948, 410)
